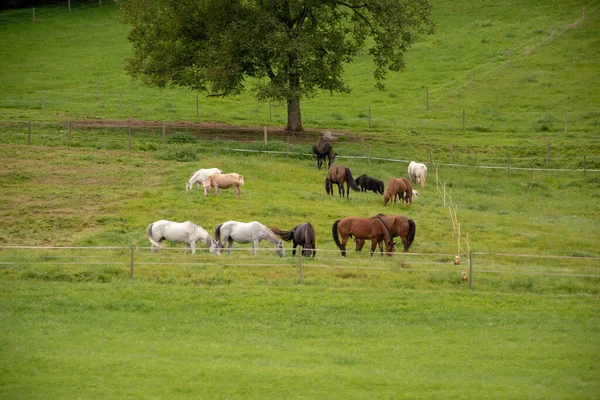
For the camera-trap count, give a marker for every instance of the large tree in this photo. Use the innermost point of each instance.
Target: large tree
(292, 48)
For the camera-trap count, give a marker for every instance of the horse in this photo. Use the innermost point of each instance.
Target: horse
(339, 174)
(251, 232)
(186, 232)
(417, 172)
(362, 228)
(408, 194)
(400, 226)
(223, 181)
(324, 150)
(200, 176)
(300, 235)
(366, 182)
(397, 187)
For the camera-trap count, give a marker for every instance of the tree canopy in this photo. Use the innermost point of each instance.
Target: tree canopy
(292, 48)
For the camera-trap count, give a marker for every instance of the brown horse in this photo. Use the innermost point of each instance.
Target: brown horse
(223, 181)
(340, 174)
(301, 235)
(400, 226)
(362, 228)
(398, 187)
(324, 150)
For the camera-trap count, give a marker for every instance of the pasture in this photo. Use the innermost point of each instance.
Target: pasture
(73, 324)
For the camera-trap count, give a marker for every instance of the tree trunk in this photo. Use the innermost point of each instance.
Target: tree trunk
(294, 117)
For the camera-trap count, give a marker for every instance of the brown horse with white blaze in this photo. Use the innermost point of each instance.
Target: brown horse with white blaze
(362, 228)
(400, 226)
(340, 174)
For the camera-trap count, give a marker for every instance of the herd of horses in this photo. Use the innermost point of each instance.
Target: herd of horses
(380, 229)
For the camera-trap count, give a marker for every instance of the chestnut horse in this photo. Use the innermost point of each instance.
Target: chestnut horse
(301, 235)
(400, 226)
(223, 181)
(398, 187)
(324, 150)
(340, 174)
(362, 228)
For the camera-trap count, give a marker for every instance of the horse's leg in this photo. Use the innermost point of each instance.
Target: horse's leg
(373, 245)
(187, 248)
(341, 189)
(405, 243)
(237, 192)
(229, 244)
(193, 246)
(344, 241)
(216, 190)
(294, 248)
(254, 247)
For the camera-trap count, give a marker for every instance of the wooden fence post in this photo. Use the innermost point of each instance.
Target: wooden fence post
(369, 155)
(451, 146)
(287, 148)
(548, 154)
(131, 263)
(33, 18)
(565, 121)
(164, 133)
(362, 143)
(430, 159)
(584, 166)
(470, 270)
(29, 136)
(508, 64)
(129, 138)
(69, 6)
(69, 130)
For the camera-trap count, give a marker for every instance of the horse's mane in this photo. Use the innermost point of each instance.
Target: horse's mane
(387, 228)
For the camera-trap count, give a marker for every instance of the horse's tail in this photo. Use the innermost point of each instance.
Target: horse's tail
(336, 237)
(412, 229)
(285, 235)
(218, 233)
(350, 180)
(150, 238)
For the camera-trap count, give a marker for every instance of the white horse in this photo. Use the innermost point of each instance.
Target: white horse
(251, 232)
(200, 176)
(186, 232)
(417, 172)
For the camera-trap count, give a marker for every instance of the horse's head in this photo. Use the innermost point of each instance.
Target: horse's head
(328, 187)
(215, 248)
(188, 186)
(359, 244)
(279, 248)
(386, 198)
(389, 248)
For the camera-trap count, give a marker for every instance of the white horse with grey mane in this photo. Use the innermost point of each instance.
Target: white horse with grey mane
(417, 172)
(200, 176)
(251, 232)
(187, 232)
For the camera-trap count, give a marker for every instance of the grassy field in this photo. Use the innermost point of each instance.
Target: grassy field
(74, 325)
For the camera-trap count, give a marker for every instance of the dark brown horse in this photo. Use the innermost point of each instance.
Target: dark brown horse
(324, 150)
(400, 226)
(362, 228)
(300, 235)
(340, 174)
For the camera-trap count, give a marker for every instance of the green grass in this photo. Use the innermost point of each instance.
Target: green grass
(73, 324)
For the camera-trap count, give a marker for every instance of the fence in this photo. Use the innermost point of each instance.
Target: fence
(107, 263)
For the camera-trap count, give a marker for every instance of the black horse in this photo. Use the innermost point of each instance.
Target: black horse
(324, 150)
(301, 235)
(369, 183)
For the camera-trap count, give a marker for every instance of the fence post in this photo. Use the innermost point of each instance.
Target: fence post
(164, 133)
(584, 166)
(69, 130)
(29, 137)
(362, 143)
(69, 6)
(548, 154)
(470, 270)
(507, 163)
(129, 138)
(369, 154)
(508, 64)
(33, 18)
(131, 263)
(287, 148)
(300, 266)
(451, 152)
(565, 121)
(430, 159)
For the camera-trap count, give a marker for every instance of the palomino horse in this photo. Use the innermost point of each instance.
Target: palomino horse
(186, 232)
(362, 228)
(400, 226)
(324, 150)
(398, 187)
(251, 232)
(301, 235)
(367, 182)
(223, 181)
(340, 174)
(417, 172)
(200, 176)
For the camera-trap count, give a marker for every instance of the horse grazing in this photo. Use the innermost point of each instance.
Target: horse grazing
(417, 172)
(366, 182)
(340, 174)
(400, 226)
(301, 235)
(362, 228)
(251, 232)
(223, 181)
(200, 176)
(186, 232)
(398, 187)
(324, 150)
